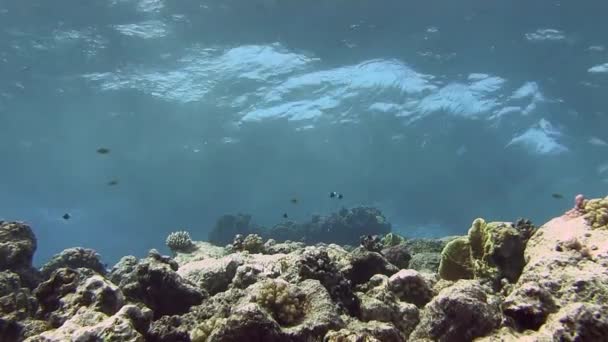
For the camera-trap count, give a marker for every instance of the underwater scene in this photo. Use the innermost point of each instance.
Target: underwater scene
(284, 170)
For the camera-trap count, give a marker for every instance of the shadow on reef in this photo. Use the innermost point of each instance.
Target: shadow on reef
(343, 227)
(502, 281)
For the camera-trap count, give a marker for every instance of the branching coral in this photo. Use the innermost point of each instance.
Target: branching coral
(179, 241)
(202, 331)
(284, 301)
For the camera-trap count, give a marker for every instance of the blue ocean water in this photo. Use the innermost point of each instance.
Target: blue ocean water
(436, 112)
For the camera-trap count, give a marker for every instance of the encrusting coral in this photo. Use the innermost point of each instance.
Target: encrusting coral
(491, 251)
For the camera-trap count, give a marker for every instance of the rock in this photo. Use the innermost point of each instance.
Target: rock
(247, 323)
(461, 312)
(168, 329)
(281, 248)
(571, 277)
(200, 251)
(316, 263)
(74, 258)
(383, 308)
(17, 246)
(16, 302)
(371, 331)
(212, 275)
(10, 330)
(257, 267)
(261, 315)
(577, 322)
(411, 287)
(416, 246)
(67, 290)
(155, 282)
(320, 314)
(123, 269)
(364, 264)
(128, 324)
(378, 303)
(398, 255)
(528, 306)
(372, 243)
(425, 262)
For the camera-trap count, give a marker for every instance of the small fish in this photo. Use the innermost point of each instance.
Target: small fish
(66, 216)
(294, 200)
(335, 194)
(556, 195)
(113, 182)
(103, 150)
(285, 215)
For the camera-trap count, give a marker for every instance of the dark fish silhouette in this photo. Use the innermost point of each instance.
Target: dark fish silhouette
(285, 215)
(66, 216)
(113, 182)
(294, 200)
(557, 196)
(103, 150)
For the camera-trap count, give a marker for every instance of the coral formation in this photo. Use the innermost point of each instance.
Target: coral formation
(371, 243)
(392, 239)
(501, 282)
(596, 213)
(252, 243)
(284, 302)
(491, 251)
(179, 241)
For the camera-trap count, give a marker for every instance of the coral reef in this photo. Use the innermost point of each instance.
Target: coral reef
(501, 282)
(179, 241)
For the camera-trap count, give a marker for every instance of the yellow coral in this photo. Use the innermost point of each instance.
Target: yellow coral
(285, 302)
(596, 213)
(202, 331)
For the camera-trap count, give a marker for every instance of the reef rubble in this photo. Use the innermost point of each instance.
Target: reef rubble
(502, 281)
